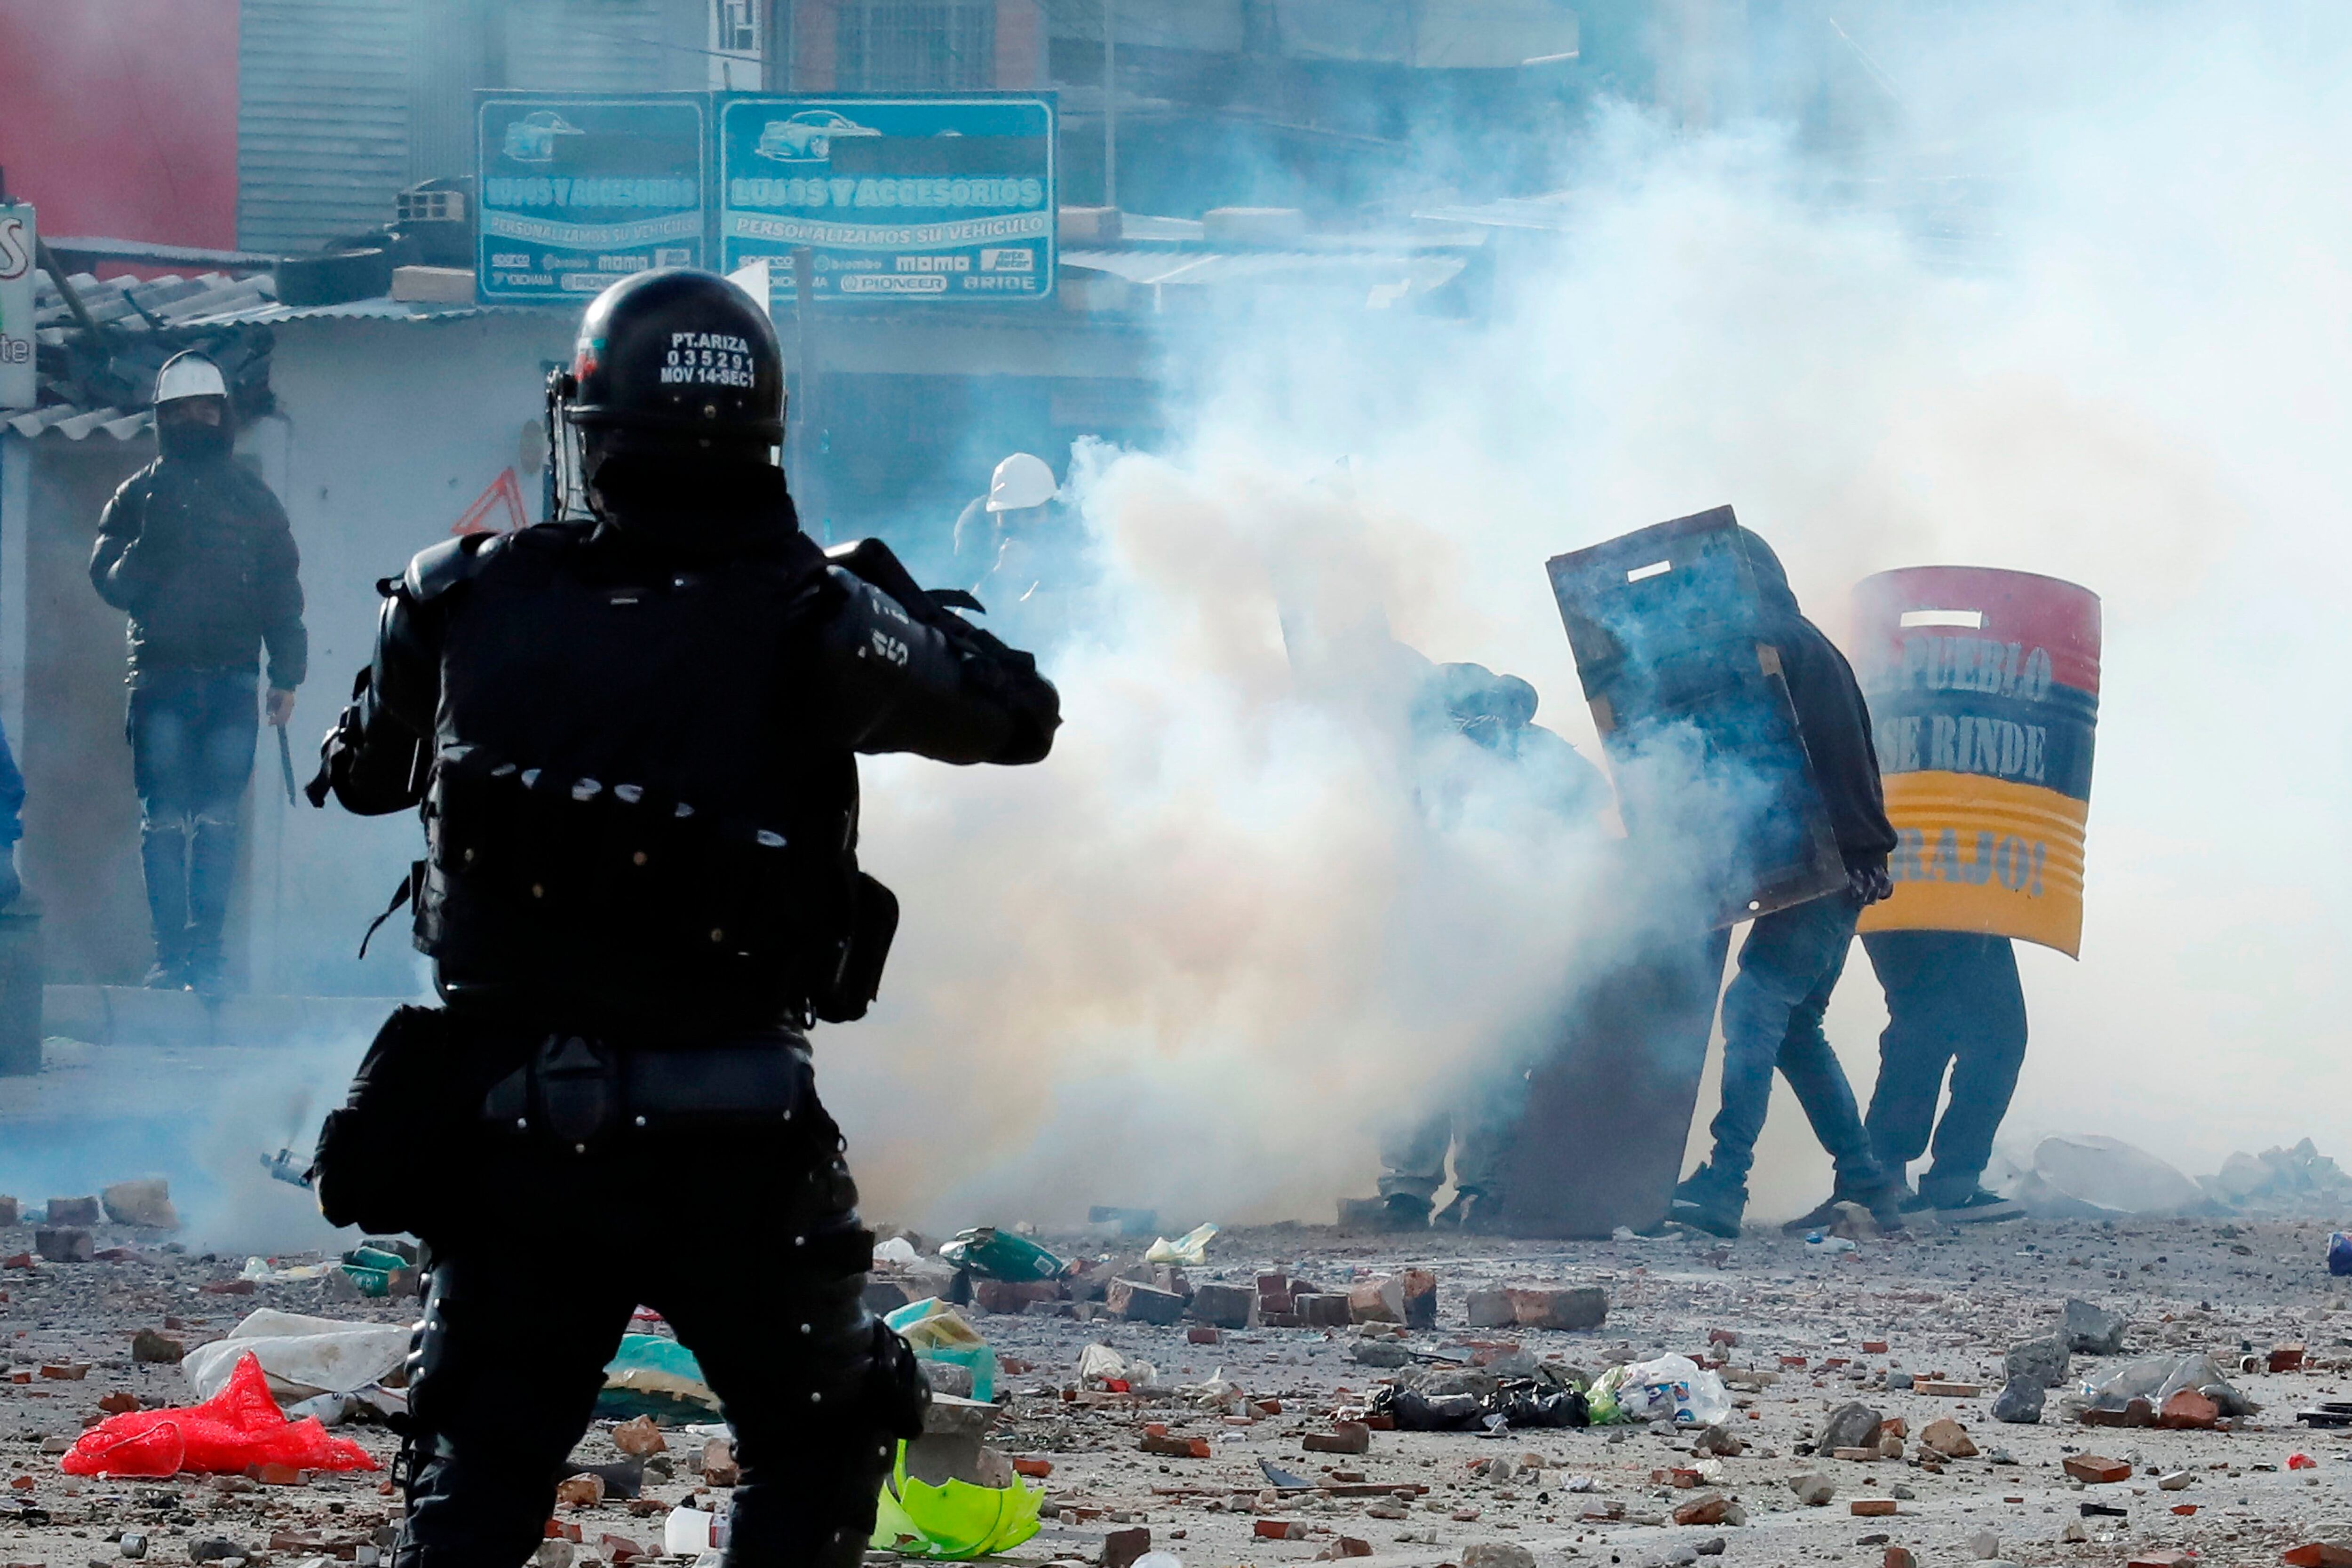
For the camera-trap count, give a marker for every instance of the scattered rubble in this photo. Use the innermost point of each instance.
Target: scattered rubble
(1268, 1423)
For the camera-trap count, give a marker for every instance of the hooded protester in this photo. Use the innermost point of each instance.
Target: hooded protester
(198, 551)
(1792, 958)
(1495, 714)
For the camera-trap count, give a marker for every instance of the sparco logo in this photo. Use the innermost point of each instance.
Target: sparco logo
(707, 359)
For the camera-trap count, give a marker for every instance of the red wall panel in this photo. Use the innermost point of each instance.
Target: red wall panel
(118, 118)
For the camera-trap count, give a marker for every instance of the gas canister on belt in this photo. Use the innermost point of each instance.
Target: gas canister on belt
(1984, 697)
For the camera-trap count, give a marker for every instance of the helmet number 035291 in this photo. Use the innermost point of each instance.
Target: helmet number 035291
(707, 359)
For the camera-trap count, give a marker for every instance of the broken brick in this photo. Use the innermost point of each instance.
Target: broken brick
(1559, 1305)
(74, 1210)
(639, 1438)
(147, 1345)
(2097, 1469)
(1035, 1470)
(1345, 1546)
(1491, 1309)
(1139, 1303)
(1344, 1437)
(2188, 1411)
(584, 1490)
(64, 1244)
(1172, 1447)
(1199, 1335)
(1273, 1292)
(1708, 1508)
(1122, 1547)
(1013, 1295)
(2319, 1554)
(2286, 1358)
(1870, 1507)
(1899, 1557)
(718, 1466)
(1223, 1306)
(1947, 1437)
(1320, 1310)
(1279, 1530)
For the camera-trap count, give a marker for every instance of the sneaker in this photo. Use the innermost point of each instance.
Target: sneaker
(1981, 1207)
(164, 977)
(1702, 1203)
(1887, 1205)
(1473, 1212)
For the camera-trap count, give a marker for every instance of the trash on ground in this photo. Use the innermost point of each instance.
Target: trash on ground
(1190, 1250)
(2087, 1176)
(956, 1520)
(238, 1428)
(302, 1356)
(993, 1254)
(656, 1377)
(941, 1338)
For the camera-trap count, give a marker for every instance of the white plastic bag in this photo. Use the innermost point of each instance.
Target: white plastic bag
(1190, 1250)
(302, 1355)
(1674, 1387)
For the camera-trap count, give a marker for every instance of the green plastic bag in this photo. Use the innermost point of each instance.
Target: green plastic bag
(954, 1521)
(651, 1376)
(994, 1254)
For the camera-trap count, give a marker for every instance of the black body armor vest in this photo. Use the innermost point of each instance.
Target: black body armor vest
(630, 819)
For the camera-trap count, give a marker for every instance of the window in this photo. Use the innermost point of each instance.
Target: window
(887, 44)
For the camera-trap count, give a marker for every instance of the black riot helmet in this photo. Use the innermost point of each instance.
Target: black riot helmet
(677, 360)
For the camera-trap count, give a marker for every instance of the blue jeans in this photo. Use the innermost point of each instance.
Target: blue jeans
(1952, 1000)
(192, 738)
(1772, 1018)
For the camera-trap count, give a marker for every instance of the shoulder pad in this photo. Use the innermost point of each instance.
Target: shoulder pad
(872, 562)
(433, 572)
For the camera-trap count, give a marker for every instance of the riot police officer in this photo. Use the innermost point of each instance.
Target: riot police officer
(632, 738)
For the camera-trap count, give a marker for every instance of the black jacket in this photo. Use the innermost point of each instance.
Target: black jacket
(637, 761)
(200, 554)
(1831, 715)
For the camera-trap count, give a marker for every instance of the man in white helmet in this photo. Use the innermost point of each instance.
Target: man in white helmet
(198, 552)
(1012, 551)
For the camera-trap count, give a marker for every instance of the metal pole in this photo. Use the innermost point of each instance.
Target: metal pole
(804, 476)
(1110, 103)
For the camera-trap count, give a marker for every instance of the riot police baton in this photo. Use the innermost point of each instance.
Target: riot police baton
(286, 764)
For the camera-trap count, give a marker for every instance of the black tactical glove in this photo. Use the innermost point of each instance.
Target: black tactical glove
(1870, 883)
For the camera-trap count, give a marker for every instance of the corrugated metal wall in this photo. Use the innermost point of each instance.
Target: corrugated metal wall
(323, 118)
(590, 46)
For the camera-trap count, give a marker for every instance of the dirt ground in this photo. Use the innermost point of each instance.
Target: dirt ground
(1944, 1305)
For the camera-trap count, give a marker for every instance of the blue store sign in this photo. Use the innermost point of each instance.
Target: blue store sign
(576, 191)
(945, 197)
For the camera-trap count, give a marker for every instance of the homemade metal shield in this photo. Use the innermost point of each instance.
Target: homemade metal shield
(1984, 695)
(1674, 648)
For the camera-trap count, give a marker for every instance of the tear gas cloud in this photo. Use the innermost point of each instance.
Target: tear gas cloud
(1194, 958)
(1248, 912)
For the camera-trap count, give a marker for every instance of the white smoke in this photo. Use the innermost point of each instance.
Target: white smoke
(1194, 956)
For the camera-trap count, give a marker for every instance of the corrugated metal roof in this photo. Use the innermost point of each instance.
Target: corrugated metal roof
(208, 300)
(127, 303)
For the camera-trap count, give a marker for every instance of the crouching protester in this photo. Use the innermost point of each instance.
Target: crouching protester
(633, 739)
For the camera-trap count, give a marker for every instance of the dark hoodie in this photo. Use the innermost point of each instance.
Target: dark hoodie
(1830, 713)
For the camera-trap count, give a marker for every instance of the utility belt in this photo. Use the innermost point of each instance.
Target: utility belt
(582, 1092)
